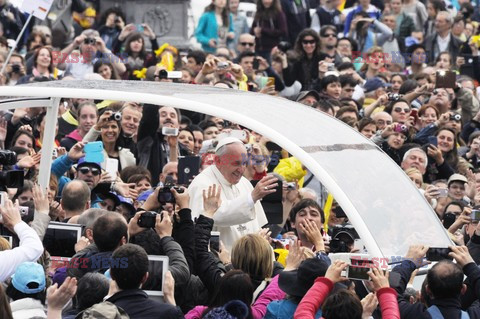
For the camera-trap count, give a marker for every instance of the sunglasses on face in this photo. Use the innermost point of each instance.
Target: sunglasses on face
(308, 41)
(244, 44)
(329, 35)
(85, 170)
(399, 109)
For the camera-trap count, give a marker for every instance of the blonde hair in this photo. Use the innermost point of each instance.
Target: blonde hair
(253, 255)
(4, 244)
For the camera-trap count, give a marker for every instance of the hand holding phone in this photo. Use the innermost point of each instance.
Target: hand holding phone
(445, 79)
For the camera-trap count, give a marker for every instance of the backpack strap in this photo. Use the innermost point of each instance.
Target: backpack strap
(435, 312)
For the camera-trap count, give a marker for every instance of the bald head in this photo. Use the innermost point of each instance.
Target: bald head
(382, 119)
(170, 169)
(445, 280)
(75, 198)
(246, 42)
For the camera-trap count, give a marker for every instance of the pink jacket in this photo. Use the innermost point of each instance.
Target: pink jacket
(259, 308)
(313, 300)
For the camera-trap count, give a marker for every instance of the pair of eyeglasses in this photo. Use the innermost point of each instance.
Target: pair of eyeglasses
(244, 44)
(332, 35)
(85, 170)
(399, 109)
(308, 41)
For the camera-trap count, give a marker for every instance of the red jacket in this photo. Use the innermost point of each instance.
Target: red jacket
(313, 300)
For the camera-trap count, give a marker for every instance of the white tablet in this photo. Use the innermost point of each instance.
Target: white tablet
(60, 238)
(157, 268)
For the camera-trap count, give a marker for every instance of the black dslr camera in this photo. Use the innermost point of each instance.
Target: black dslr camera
(165, 194)
(284, 46)
(148, 219)
(343, 236)
(9, 179)
(90, 41)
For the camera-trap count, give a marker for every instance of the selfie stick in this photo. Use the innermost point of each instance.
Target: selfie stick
(16, 42)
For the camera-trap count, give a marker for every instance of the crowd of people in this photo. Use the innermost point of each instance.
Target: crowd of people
(253, 233)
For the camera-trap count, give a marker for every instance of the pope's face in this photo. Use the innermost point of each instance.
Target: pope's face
(232, 163)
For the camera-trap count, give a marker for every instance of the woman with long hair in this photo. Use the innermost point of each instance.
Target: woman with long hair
(269, 26)
(215, 27)
(137, 56)
(106, 70)
(443, 157)
(87, 117)
(108, 130)
(302, 64)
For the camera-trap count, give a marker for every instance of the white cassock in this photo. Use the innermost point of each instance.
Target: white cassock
(238, 215)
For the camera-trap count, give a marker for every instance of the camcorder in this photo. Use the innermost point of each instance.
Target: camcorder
(165, 194)
(10, 179)
(343, 238)
(15, 68)
(148, 219)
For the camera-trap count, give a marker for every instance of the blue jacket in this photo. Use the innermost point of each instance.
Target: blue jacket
(348, 20)
(62, 165)
(284, 309)
(208, 29)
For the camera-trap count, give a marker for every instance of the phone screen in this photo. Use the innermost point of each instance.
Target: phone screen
(445, 79)
(359, 269)
(215, 241)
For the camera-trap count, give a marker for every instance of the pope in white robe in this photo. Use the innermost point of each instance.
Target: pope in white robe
(239, 213)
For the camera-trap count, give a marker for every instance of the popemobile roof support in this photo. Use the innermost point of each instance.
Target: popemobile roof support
(384, 206)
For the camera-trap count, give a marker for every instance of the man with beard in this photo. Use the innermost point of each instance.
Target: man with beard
(328, 43)
(154, 150)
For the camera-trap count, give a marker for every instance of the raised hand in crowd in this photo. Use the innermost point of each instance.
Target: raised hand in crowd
(416, 254)
(81, 244)
(58, 297)
(211, 200)
(369, 304)
(169, 289)
(56, 211)
(313, 233)
(434, 152)
(461, 220)
(224, 254)
(103, 120)
(164, 224)
(265, 234)
(431, 192)
(379, 278)
(182, 198)
(461, 255)
(126, 31)
(40, 200)
(264, 187)
(29, 161)
(10, 214)
(147, 31)
(295, 255)
(334, 272)
(133, 228)
(76, 152)
(125, 189)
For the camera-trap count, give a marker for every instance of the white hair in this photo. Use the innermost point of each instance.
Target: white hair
(416, 149)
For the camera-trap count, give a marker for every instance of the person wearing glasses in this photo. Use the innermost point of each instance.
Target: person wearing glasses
(246, 43)
(328, 43)
(303, 66)
(269, 26)
(92, 48)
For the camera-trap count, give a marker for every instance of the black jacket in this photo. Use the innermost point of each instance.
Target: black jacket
(449, 307)
(136, 304)
(182, 234)
(95, 261)
(431, 42)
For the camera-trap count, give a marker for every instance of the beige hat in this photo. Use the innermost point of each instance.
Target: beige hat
(457, 178)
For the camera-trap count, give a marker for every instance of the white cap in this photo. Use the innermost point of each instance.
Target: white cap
(226, 141)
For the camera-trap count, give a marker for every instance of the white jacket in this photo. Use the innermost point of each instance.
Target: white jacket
(27, 308)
